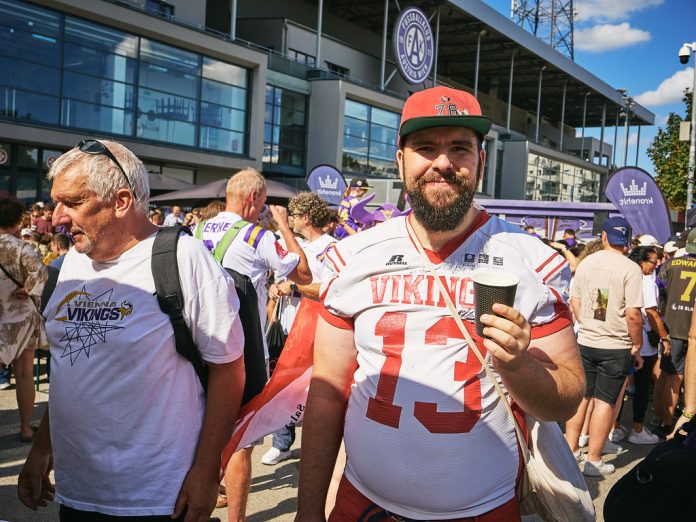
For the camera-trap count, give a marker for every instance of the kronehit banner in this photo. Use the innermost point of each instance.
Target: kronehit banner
(328, 183)
(638, 198)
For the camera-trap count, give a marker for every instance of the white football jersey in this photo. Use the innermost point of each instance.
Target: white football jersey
(425, 433)
(254, 252)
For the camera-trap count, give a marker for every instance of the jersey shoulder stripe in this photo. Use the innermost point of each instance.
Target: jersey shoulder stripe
(253, 235)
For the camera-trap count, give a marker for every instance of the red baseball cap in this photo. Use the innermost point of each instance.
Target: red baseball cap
(442, 107)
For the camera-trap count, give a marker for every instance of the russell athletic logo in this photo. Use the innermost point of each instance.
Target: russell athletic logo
(396, 260)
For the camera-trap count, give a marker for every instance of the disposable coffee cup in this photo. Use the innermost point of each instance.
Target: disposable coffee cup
(491, 288)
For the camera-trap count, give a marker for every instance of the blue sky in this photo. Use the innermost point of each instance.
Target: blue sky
(633, 44)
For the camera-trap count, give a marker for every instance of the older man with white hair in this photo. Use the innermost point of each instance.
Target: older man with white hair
(131, 431)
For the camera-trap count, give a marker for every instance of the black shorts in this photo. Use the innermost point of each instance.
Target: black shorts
(605, 371)
(675, 361)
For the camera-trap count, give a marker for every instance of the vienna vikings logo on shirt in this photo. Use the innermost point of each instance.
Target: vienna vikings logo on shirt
(89, 320)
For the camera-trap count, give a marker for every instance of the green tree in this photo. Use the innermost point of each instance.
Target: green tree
(670, 158)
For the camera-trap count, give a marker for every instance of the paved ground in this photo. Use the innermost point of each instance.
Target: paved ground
(273, 489)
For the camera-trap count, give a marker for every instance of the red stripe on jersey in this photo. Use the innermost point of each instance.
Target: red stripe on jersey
(555, 293)
(548, 276)
(326, 290)
(561, 321)
(452, 245)
(344, 323)
(542, 265)
(327, 256)
(334, 248)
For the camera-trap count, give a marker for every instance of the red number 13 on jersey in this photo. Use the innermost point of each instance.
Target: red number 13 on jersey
(392, 328)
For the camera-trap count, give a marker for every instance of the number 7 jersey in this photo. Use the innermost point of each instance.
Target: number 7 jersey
(426, 436)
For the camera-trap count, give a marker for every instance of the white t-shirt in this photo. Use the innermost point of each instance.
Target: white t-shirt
(126, 408)
(650, 296)
(172, 220)
(315, 252)
(254, 253)
(425, 433)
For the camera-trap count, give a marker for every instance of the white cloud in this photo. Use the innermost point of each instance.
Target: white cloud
(661, 119)
(632, 138)
(670, 90)
(607, 37)
(612, 10)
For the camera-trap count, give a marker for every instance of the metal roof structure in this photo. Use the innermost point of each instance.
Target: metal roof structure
(461, 23)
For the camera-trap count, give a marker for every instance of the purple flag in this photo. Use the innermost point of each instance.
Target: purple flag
(638, 198)
(328, 183)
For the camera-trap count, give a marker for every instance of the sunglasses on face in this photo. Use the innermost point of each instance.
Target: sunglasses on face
(97, 148)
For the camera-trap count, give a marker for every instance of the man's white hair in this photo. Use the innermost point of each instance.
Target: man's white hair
(102, 175)
(245, 182)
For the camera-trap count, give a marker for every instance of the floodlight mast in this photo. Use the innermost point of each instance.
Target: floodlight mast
(684, 54)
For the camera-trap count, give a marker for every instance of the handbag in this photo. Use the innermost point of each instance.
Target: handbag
(275, 337)
(659, 487)
(552, 485)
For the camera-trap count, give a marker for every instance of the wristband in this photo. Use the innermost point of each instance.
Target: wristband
(688, 415)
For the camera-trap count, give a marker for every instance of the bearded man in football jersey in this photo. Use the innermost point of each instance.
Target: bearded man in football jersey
(426, 435)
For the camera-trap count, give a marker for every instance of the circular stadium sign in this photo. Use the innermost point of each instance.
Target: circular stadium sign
(413, 45)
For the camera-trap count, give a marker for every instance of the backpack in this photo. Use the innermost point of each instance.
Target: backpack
(660, 487)
(165, 272)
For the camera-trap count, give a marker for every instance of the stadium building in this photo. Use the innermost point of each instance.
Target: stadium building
(201, 89)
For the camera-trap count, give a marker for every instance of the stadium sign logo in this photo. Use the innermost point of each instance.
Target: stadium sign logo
(413, 45)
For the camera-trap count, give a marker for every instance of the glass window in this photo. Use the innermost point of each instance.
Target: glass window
(285, 130)
(223, 94)
(383, 134)
(356, 145)
(45, 189)
(369, 140)
(222, 140)
(352, 127)
(168, 80)
(26, 188)
(90, 61)
(27, 157)
(357, 110)
(355, 163)
(224, 117)
(23, 75)
(29, 106)
(61, 70)
(169, 69)
(97, 117)
(100, 37)
(30, 18)
(97, 90)
(225, 72)
(29, 46)
(164, 117)
(385, 118)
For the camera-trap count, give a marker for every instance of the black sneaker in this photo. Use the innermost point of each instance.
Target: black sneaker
(662, 431)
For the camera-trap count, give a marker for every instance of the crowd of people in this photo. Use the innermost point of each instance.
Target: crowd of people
(392, 373)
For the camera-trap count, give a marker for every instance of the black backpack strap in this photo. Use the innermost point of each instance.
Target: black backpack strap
(165, 271)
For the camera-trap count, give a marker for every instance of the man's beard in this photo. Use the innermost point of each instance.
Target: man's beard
(440, 216)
